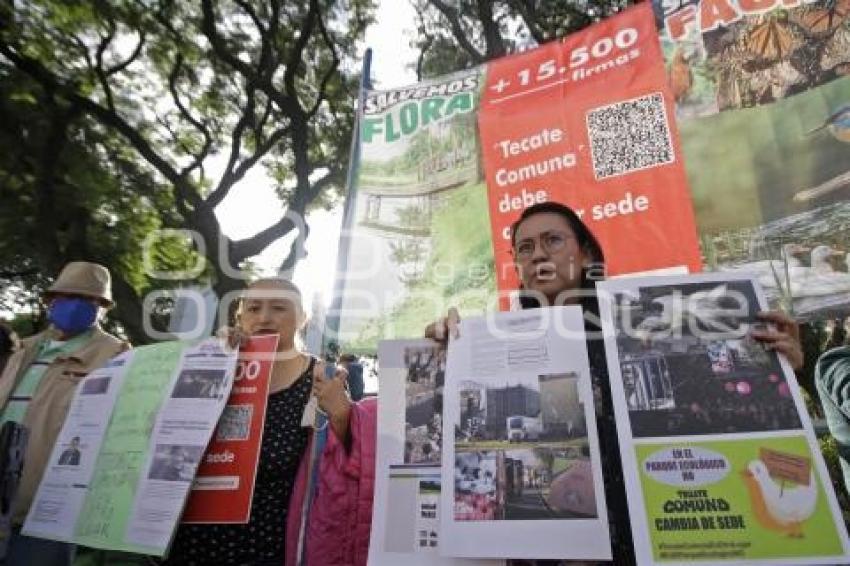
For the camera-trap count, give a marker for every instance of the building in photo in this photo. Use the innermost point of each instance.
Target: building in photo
(561, 411)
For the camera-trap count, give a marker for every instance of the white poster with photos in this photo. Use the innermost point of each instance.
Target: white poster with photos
(184, 426)
(720, 460)
(406, 513)
(129, 448)
(64, 486)
(521, 468)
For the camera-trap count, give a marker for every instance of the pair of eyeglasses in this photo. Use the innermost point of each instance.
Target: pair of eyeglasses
(551, 242)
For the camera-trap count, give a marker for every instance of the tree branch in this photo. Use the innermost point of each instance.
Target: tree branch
(320, 185)
(528, 12)
(187, 115)
(297, 251)
(297, 54)
(228, 178)
(423, 50)
(232, 176)
(453, 16)
(131, 59)
(218, 44)
(249, 247)
(287, 104)
(108, 118)
(260, 124)
(253, 15)
(261, 150)
(329, 73)
(99, 70)
(493, 40)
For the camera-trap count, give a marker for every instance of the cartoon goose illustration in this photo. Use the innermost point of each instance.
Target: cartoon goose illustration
(779, 508)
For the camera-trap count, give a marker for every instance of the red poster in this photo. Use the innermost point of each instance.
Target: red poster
(224, 485)
(590, 122)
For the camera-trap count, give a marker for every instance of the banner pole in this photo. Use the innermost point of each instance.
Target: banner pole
(331, 332)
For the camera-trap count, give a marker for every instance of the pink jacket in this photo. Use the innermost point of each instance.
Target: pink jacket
(341, 516)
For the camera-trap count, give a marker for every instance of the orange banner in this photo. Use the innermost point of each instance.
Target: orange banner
(589, 122)
(224, 485)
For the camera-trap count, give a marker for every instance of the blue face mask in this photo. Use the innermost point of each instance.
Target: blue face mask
(72, 315)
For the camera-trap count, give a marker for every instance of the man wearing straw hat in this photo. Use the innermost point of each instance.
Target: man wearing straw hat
(39, 380)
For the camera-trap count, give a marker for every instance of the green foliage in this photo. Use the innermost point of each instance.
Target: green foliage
(829, 449)
(124, 118)
(98, 205)
(456, 35)
(459, 272)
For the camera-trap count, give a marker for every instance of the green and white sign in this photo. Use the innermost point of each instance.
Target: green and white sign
(720, 460)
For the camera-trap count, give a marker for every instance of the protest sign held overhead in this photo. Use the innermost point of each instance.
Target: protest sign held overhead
(589, 122)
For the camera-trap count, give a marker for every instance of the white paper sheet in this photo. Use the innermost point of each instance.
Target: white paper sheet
(184, 426)
(521, 471)
(407, 507)
(171, 395)
(63, 489)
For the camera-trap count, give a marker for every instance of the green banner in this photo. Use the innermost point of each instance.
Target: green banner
(732, 500)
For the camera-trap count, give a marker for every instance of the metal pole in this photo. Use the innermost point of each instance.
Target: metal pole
(333, 318)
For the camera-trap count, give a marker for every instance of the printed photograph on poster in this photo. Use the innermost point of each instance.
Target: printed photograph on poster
(96, 386)
(234, 423)
(521, 451)
(175, 462)
(429, 494)
(746, 481)
(774, 79)
(746, 499)
(412, 519)
(688, 365)
(524, 484)
(198, 383)
(415, 179)
(71, 455)
(426, 371)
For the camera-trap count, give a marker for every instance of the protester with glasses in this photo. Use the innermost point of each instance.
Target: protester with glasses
(558, 261)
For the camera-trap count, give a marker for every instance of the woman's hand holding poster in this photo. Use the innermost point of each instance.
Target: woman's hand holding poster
(719, 456)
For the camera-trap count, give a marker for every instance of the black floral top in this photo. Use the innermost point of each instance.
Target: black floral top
(263, 539)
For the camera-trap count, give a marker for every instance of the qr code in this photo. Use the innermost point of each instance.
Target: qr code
(629, 136)
(235, 423)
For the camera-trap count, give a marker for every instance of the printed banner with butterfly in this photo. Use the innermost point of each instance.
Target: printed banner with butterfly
(762, 91)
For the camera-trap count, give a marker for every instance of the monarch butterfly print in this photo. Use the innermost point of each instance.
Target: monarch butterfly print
(772, 39)
(821, 19)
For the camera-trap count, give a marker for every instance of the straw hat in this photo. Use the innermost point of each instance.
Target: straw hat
(86, 279)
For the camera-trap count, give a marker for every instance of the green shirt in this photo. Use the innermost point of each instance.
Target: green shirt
(49, 350)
